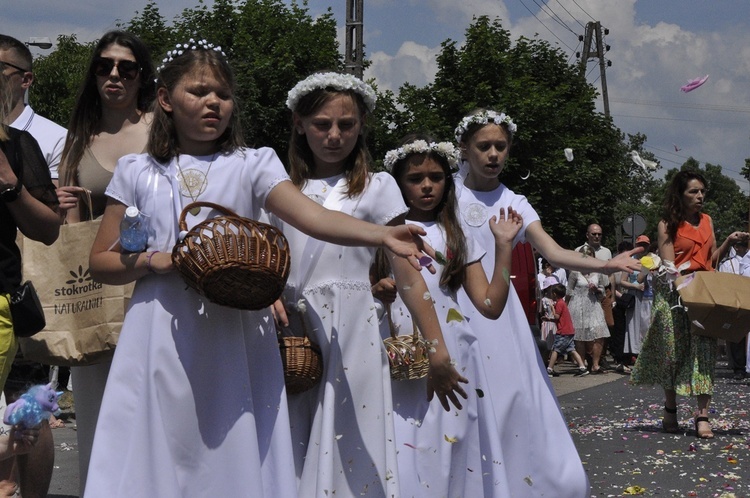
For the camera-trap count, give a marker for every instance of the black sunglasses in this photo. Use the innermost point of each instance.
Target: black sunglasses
(128, 70)
(3, 63)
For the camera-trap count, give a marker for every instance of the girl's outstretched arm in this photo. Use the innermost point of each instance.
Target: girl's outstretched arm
(443, 378)
(572, 260)
(295, 208)
(489, 297)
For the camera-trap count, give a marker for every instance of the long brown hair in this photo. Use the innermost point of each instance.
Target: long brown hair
(87, 112)
(454, 271)
(301, 160)
(672, 209)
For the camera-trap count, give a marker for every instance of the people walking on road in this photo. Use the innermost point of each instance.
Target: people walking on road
(584, 294)
(564, 337)
(671, 355)
(738, 357)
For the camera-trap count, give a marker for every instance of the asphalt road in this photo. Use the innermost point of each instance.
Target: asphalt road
(616, 428)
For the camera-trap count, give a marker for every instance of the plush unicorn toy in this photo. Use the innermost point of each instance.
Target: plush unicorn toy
(33, 407)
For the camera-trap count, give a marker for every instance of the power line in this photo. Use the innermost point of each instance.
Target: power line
(545, 26)
(553, 15)
(685, 105)
(574, 1)
(571, 15)
(661, 118)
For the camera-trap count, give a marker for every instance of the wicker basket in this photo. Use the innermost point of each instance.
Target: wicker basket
(302, 360)
(233, 261)
(407, 354)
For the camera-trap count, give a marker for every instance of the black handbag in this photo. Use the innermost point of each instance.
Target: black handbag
(27, 311)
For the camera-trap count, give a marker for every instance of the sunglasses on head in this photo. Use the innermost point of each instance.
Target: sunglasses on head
(128, 70)
(17, 68)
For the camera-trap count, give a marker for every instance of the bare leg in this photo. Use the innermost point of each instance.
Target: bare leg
(35, 468)
(596, 353)
(702, 424)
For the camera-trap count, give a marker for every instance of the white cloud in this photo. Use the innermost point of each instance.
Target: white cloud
(413, 63)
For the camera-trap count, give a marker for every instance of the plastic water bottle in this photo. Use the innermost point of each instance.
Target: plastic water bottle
(133, 231)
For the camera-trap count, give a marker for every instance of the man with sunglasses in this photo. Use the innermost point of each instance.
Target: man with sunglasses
(15, 64)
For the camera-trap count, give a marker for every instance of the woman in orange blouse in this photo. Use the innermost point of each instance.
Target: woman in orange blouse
(671, 356)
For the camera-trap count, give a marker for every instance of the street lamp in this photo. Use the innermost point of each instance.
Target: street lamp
(42, 42)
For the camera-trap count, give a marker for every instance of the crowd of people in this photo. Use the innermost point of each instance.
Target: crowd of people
(194, 401)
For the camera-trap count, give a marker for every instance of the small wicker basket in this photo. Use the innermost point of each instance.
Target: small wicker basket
(407, 354)
(233, 261)
(302, 361)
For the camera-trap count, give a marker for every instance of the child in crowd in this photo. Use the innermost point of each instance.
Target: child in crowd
(564, 343)
(547, 307)
(436, 447)
(195, 401)
(342, 429)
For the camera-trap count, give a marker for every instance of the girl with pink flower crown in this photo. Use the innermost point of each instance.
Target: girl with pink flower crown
(195, 403)
(538, 454)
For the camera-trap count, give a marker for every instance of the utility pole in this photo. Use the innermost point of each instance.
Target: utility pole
(594, 31)
(354, 40)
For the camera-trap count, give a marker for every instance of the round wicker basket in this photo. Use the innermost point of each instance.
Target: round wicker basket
(303, 363)
(407, 354)
(233, 261)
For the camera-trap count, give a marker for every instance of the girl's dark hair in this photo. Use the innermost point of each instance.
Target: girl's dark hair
(87, 112)
(672, 210)
(454, 272)
(301, 159)
(162, 140)
(474, 127)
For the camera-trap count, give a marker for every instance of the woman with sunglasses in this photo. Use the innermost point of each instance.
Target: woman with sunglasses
(109, 120)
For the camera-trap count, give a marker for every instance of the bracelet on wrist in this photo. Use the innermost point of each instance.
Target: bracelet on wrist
(148, 261)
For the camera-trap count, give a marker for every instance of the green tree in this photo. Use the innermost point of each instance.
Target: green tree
(57, 77)
(553, 107)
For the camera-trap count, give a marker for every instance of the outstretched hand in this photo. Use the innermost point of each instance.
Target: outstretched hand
(405, 241)
(443, 379)
(506, 227)
(624, 262)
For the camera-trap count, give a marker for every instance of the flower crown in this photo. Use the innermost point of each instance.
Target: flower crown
(339, 81)
(181, 48)
(483, 118)
(445, 149)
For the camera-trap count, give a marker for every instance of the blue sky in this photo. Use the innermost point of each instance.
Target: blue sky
(656, 47)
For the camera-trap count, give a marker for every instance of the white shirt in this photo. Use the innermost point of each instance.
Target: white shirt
(49, 135)
(736, 264)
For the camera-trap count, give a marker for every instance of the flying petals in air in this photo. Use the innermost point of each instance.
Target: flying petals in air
(693, 84)
(454, 316)
(677, 149)
(569, 154)
(643, 163)
(528, 174)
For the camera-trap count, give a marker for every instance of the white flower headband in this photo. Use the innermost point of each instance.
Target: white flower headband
(339, 81)
(181, 48)
(445, 149)
(483, 118)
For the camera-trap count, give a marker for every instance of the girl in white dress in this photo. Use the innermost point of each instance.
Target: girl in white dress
(195, 403)
(540, 458)
(448, 453)
(342, 429)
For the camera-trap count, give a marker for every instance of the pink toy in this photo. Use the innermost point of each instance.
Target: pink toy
(693, 84)
(33, 407)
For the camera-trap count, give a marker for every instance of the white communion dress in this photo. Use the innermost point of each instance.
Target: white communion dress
(342, 429)
(195, 403)
(539, 457)
(447, 453)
